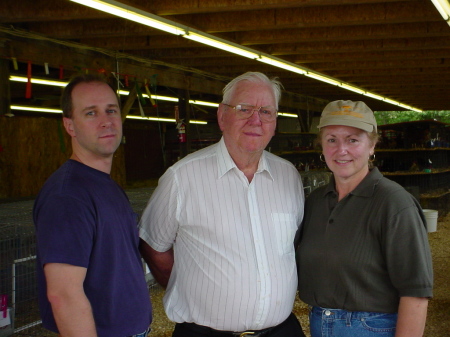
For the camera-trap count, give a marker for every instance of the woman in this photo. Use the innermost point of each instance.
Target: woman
(364, 260)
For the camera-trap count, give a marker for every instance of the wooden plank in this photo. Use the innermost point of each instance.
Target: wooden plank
(128, 103)
(5, 94)
(74, 56)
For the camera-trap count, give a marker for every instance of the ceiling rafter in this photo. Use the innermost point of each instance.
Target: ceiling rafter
(397, 48)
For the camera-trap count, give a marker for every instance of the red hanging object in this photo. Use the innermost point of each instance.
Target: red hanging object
(61, 72)
(28, 88)
(126, 80)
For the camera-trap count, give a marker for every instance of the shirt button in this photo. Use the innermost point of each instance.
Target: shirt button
(327, 312)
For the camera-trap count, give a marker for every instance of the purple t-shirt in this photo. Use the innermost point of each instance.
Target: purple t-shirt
(84, 218)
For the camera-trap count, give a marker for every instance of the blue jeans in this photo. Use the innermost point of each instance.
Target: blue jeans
(142, 334)
(342, 323)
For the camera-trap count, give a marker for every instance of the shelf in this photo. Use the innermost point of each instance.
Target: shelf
(376, 150)
(434, 195)
(296, 152)
(410, 173)
(414, 149)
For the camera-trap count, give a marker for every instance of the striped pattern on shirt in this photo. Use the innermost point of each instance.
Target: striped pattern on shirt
(233, 240)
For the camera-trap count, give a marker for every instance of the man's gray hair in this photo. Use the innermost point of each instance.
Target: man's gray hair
(255, 77)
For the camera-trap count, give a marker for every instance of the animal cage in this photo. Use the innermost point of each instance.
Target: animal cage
(18, 264)
(17, 268)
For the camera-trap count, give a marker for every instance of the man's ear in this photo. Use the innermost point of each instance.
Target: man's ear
(68, 125)
(220, 114)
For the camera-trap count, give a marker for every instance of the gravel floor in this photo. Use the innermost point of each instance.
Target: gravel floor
(13, 213)
(438, 310)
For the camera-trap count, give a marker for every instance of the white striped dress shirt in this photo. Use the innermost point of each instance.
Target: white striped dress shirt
(233, 240)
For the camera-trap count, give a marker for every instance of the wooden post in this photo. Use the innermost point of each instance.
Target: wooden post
(128, 103)
(304, 127)
(185, 114)
(5, 91)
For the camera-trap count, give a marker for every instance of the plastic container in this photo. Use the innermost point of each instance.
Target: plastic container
(431, 217)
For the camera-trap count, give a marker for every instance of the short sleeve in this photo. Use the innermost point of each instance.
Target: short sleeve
(408, 254)
(65, 231)
(159, 223)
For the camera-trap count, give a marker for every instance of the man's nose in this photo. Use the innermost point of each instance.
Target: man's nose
(255, 117)
(106, 120)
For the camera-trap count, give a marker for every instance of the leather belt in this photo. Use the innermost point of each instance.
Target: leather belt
(207, 331)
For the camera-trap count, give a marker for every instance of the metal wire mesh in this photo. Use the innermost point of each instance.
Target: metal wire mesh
(18, 262)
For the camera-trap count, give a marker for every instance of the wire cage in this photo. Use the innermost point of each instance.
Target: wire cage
(18, 264)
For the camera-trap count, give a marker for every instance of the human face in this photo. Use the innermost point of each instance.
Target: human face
(247, 136)
(346, 150)
(96, 124)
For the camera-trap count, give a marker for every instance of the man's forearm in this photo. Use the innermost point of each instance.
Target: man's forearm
(160, 263)
(73, 316)
(71, 308)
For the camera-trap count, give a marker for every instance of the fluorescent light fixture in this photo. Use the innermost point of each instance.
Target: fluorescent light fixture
(157, 97)
(352, 88)
(444, 9)
(38, 81)
(163, 98)
(322, 78)
(158, 119)
(161, 119)
(391, 101)
(282, 64)
(286, 114)
(133, 14)
(33, 108)
(409, 107)
(192, 101)
(221, 44)
(154, 21)
(381, 98)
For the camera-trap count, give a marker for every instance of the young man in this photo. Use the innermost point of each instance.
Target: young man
(90, 276)
(219, 229)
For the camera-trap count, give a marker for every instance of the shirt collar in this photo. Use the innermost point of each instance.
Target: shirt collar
(365, 188)
(225, 163)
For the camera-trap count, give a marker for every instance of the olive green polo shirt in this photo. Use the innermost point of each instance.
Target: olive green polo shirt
(366, 251)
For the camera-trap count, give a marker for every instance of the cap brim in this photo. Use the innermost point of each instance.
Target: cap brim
(341, 120)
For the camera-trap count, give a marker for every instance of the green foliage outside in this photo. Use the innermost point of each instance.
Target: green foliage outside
(391, 117)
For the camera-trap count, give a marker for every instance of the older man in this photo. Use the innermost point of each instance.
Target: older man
(219, 229)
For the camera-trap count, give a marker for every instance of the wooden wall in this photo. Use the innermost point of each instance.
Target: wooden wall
(144, 150)
(31, 149)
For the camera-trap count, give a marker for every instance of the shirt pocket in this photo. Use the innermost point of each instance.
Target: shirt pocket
(285, 226)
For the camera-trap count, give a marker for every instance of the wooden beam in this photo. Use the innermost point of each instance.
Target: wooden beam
(325, 16)
(5, 93)
(53, 10)
(125, 111)
(75, 56)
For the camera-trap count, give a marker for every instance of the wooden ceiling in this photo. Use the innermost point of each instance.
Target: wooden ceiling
(395, 48)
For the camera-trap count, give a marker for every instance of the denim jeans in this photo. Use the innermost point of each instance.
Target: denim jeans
(142, 334)
(342, 323)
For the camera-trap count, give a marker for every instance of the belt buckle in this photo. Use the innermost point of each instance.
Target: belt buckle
(245, 333)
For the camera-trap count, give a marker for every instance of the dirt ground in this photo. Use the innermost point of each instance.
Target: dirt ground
(438, 309)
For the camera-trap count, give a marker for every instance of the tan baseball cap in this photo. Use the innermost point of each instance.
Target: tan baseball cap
(348, 113)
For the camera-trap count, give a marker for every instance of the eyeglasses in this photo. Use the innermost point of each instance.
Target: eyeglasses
(245, 111)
